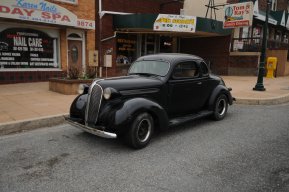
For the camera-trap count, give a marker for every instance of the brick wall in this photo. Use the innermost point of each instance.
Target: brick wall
(282, 64)
(28, 76)
(243, 65)
(85, 9)
(233, 1)
(281, 5)
(213, 49)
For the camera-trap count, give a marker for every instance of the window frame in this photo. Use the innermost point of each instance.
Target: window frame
(197, 68)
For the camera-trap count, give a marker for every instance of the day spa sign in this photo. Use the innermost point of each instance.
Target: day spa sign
(41, 11)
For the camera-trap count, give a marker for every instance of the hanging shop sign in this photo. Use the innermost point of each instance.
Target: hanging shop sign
(26, 48)
(238, 15)
(42, 11)
(180, 23)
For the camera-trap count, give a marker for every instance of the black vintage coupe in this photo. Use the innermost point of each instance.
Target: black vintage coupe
(159, 91)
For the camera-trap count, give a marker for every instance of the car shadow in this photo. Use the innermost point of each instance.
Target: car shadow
(120, 144)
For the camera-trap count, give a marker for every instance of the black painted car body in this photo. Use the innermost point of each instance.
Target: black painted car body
(159, 91)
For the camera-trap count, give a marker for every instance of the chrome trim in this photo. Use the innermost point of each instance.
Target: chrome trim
(139, 91)
(88, 100)
(93, 131)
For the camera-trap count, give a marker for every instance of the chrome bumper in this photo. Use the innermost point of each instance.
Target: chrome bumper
(91, 130)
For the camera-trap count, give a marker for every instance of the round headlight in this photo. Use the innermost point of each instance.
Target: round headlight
(80, 89)
(107, 93)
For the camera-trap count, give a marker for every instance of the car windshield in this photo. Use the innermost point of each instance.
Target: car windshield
(159, 68)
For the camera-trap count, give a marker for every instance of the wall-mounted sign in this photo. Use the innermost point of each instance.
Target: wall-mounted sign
(38, 11)
(26, 48)
(42, 11)
(85, 24)
(178, 23)
(238, 15)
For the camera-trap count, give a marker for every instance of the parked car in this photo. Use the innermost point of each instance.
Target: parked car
(159, 91)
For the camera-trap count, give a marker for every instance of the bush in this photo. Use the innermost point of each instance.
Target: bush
(90, 73)
(73, 72)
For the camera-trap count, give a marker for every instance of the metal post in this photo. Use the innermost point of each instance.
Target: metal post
(259, 85)
(99, 37)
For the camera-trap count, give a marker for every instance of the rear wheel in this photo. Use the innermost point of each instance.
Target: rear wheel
(220, 107)
(141, 131)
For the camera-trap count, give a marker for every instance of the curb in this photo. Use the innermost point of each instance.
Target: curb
(30, 124)
(269, 101)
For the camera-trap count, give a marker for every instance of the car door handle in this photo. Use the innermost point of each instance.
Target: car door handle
(199, 83)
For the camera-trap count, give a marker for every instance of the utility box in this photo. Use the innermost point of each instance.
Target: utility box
(271, 66)
(93, 58)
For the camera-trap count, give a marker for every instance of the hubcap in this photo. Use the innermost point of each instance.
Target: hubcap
(222, 107)
(144, 130)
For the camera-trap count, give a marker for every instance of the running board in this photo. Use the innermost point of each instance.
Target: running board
(184, 119)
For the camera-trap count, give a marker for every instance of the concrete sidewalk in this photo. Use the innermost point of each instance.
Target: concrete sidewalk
(31, 105)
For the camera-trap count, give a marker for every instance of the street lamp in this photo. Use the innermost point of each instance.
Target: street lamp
(259, 85)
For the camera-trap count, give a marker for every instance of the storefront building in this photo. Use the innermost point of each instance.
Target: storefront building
(130, 29)
(42, 39)
(247, 41)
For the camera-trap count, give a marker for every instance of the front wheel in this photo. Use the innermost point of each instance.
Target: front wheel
(141, 131)
(220, 107)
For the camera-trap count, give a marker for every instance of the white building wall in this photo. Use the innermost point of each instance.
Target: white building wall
(198, 8)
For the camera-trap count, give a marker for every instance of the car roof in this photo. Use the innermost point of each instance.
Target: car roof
(170, 57)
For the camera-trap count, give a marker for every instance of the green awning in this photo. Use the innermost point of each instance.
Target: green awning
(278, 15)
(262, 16)
(145, 22)
(139, 21)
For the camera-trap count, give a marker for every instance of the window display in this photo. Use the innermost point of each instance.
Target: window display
(126, 48)
(27, 48)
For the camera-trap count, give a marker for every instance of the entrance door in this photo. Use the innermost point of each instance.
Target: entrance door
(75, 54)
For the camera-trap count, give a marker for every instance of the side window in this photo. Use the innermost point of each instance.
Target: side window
(204, 69)
(187, 69)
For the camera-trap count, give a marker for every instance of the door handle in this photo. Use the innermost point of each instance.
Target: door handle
(199, 83)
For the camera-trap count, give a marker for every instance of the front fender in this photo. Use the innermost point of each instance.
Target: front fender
(122, 114)
(77, 108)
(220, 89)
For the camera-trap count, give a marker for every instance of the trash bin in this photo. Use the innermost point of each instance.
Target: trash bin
(271, 66)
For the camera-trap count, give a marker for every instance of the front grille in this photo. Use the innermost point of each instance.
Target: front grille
(93, 104)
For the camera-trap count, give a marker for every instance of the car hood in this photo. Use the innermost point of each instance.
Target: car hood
(130, 82)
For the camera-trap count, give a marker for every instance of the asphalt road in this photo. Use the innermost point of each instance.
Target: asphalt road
(247, 151)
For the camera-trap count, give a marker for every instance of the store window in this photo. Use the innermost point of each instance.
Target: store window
(27, 48)
(149, 44)
(126, 49)
(166, 44)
